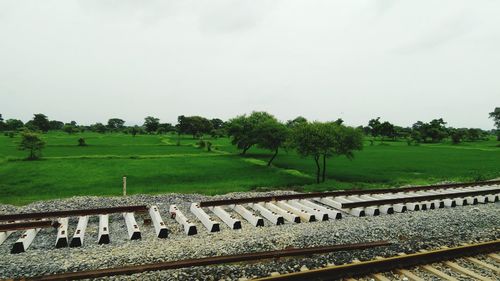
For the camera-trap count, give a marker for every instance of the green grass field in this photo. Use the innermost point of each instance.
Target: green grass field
(154, 164)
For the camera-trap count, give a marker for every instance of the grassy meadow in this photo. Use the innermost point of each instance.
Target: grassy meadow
(155, 164)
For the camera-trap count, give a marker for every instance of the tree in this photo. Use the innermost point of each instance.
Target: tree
(98, 127)
(295, 122)
(339, 121)
(457, 135)
(386, 129)
(115, 124)
(13, 124)
(135, 130)
(151, 124)
(194, 125)
(41, 122)
(3, 126)
(55, 125)
(271, 134)
(325, 140)
(217, 123)
(70, 129)
(32, 142)
(81, 142)
(495, 115)
(242, 129)
(434, 130)
(374, 125)
(165, 128)
(437, 130)
(474, 134)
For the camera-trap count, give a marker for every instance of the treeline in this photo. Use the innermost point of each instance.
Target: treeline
(434, 131)
(192, 125)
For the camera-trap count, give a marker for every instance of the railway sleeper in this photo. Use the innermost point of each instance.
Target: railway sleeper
(160, 227)
(252, 218)
(323, 216)
(357, 212)
(4, 235)
(303, 214)
(78, 236)
(370, 210)
(62, 233)
(103, 234)
(287, 215)
(132, 228)
(332, 214)
(23, 243)
(211, 224)
(188, 226)
(227, 218)
(271, 216)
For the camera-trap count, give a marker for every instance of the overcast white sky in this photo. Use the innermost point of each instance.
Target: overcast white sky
(404, 61)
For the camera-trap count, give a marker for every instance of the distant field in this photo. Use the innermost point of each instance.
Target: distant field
(154, 164)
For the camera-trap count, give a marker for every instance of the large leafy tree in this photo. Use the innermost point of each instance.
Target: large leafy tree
(98, 127)
(196, 126)
(32, 142)
(387, 130)
(434, 131)
(217, 123)
(324, 140)
(13, 124)
(151, 124)
(243, 129)
(374, 127)
(116, 124)
(271, 134)
(41, 122)
(55, 125)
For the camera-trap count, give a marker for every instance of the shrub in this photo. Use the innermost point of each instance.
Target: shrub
(32, 142)
(201, 144)
(81, 142)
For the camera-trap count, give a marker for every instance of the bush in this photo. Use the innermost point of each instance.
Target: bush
(201, 144)
(81, 142)
(32, 142)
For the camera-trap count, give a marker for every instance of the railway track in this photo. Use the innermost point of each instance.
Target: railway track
(468, 262)
(444, 263)
(208, 261)
(291, 209)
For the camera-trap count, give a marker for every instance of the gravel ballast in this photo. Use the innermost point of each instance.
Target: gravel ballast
(408, 232)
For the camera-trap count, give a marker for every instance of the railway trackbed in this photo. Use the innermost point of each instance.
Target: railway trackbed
(403, 264)
(277, 210)
(93, 233)
(208, 261)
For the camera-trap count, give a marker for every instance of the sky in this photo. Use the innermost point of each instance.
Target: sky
(403, 61)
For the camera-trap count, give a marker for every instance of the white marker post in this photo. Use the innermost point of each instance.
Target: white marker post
(124, 186)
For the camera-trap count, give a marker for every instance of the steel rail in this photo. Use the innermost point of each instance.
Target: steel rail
(419, 198)
(364, 268)
(340, 193)
(28, 225)
(127, 270)
(69, 213)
